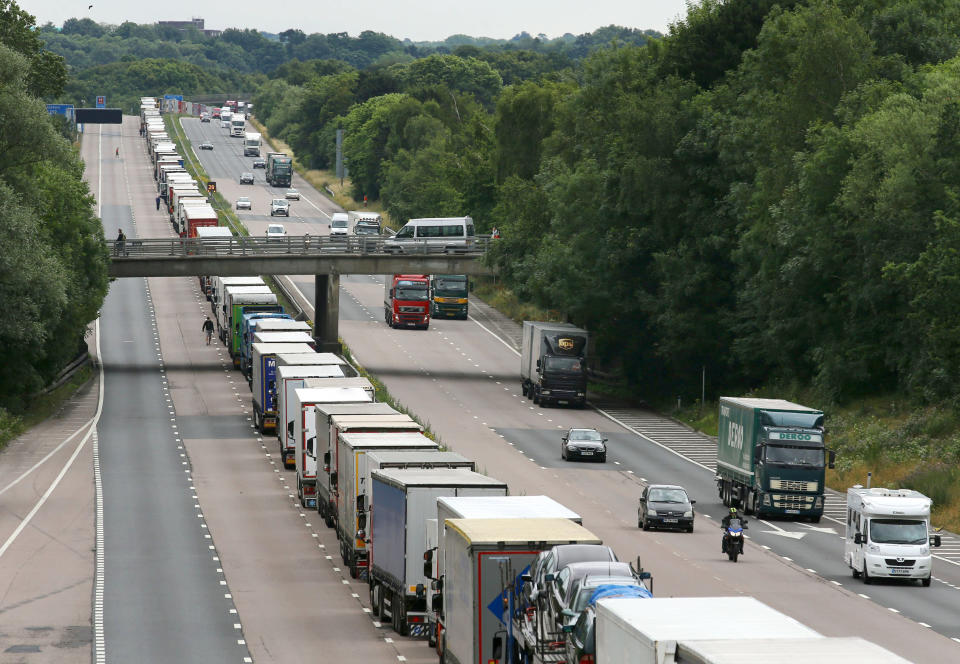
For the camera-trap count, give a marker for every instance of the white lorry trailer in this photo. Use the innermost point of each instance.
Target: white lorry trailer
(352, 486)
(402, 500)
(481, 507)
(483, 562)
(828, 650)
(305, 430)
(325, 453)
(328, 447)
(219, 286)
(264, 383)
(290, 442)
(888, 534)
(647, 631)
(292, 377)
(251, 144)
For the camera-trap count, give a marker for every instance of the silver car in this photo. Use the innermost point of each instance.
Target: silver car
(243, 203)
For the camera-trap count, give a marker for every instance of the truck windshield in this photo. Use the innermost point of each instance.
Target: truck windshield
(794, 456)
(410, 290)
(898, 531)
(445, 287)
(572, 364)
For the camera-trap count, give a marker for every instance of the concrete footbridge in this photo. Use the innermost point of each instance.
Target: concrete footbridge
(324, 257)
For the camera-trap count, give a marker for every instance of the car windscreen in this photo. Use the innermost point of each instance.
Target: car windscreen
(583, 434)
(667, 496)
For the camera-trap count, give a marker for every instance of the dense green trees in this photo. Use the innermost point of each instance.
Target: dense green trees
(53, 264)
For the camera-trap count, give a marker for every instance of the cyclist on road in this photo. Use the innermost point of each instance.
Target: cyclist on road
(208, 328)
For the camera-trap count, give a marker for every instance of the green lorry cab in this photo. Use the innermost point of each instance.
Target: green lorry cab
(449, 292)
(771, 458)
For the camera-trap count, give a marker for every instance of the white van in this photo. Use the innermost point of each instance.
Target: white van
(339, 224)
(888, 534)
(448, 234)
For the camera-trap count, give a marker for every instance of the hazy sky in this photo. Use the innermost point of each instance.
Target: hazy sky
(419, 20)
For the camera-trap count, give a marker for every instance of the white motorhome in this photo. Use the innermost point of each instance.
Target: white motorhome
(888, 534)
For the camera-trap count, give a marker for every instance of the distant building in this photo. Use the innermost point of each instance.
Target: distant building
(192, 23)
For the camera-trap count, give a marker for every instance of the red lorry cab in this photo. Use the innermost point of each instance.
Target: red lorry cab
(406, 301)
(216, 113)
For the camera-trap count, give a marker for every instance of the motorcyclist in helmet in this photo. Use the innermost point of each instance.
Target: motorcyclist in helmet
(734, 514)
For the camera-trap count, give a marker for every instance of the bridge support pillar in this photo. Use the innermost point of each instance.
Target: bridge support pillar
(327, 313)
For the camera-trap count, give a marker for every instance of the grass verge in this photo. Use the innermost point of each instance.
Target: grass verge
(42, 407)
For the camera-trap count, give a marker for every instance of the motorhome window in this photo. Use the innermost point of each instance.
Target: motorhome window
(405, 233)
(794, 456)
(410, 290)
(782, 419)
(562, 364)
(898, 531)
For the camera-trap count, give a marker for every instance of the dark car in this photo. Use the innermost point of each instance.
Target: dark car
(565, 583)
(550, 561)
(665, 506)
(206, 146)
(363, 227)
(583, 444)
(260, 162)
(581, 643)
(246, 178)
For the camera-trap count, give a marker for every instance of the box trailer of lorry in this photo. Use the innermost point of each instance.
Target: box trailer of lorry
(888, 534)
(402, 500)
(483, 562)
(771, 457)
(264, 384)
(352, 484)
(483, 507)
(248, 324)
(292, 377)
(317, 358)
(326, 452)
(220, 284)
(306, 435)
(304, 402)
(827, 650)
(289, 440)
(224, 308)
(247, 300)
(553, 363)
(646, 631)
(198, 216)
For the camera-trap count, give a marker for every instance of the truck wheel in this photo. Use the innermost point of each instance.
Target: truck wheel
(815, 519)
(352, 566)
(374, 600)
(328, 519)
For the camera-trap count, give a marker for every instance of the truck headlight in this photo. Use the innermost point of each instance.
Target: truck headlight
(544, 391)
(766, 499)
(818, 503)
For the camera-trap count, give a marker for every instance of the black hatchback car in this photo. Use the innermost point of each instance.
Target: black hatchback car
(246, 178)
(665, 506)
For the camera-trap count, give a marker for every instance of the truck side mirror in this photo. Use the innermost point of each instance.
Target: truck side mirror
(497, 647)
(428, 563)
(526, 578)
(436, 602)
(421, 591)
(935, 540)
(831, 458)
(290, 429)
(361, 503)
(326, 461)
(333, 479)
(857, 538)
(310, 446)
(361, 524)
(538, 365)
(757, 451)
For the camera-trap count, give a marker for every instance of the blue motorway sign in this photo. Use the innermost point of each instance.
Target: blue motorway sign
(60, 109)
(101, 101)
(177, 97)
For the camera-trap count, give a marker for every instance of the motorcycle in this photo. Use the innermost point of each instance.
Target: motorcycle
(732, 544)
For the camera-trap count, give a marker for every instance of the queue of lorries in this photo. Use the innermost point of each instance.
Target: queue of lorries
(448, 554)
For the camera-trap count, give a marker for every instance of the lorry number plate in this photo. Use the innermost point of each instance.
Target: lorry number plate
(792, 511)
